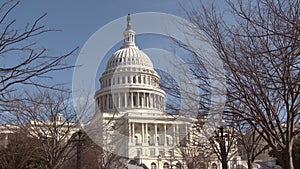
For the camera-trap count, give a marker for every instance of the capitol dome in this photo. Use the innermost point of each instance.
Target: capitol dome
(129, 56)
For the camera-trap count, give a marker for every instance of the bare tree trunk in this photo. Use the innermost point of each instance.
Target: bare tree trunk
(249, 163)
(288, 158)
(224, 163)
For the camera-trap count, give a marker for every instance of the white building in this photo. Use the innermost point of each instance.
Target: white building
(130, 99)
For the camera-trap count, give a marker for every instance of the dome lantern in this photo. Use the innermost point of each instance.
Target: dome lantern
(128, 35)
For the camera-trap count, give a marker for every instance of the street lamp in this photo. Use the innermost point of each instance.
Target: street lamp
(79, 149)
(158, 160)
(221, 139)
(171, 158)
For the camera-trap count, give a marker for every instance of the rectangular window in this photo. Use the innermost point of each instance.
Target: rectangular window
(161, 152)
(139, 152)
(152, 151)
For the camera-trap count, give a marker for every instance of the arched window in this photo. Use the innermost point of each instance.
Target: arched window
(153, 165)
(179, 165)
(202, 166)
(214, 166)
(166, 166)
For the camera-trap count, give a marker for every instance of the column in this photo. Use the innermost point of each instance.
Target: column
(107, 102)
(154, 101)
(146, 126)
(129, 132)
(147, 101)
(174, 135)
(164, 104)
(177, 133)
(114, 100)
(119, 100)
(138, 99)
(112, 104)
(133, 140)
(165, 134)
(159, 102)
(101, 103)
(186, 135)
(143, 133)
(131, 99)
(150, 100)
(125, 97)
(143, 99)
(155, 135)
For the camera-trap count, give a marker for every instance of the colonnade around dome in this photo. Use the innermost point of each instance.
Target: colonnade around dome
(134, 99)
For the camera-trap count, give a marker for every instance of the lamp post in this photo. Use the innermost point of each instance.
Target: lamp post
(79, 149)
(158, 160)
(171, 158)
(171, 162)
(222, 145)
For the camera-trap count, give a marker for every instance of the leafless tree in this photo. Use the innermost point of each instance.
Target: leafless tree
(250, 143)
(224, 143)
(23, 61)
(197, 155)
(21, 151)
(95, 157)
(258, 42)
(49, 117)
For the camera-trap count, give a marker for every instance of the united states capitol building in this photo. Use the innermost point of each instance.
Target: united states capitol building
(131, 121)
(132, 104)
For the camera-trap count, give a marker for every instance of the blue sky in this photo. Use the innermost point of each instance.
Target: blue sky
(78, 20)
